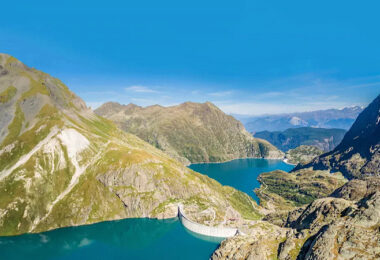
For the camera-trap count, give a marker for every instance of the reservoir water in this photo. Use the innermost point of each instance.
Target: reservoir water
(138, 238)
(122, 239)
(241, 173)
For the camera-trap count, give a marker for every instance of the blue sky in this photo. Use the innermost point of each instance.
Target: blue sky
(248, 57)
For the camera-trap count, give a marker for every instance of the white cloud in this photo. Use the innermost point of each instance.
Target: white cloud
(221, 93)
(140, 89)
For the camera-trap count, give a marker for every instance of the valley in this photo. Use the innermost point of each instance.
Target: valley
(63, 166)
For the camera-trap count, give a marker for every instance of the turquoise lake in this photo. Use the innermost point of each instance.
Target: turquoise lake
(241, 173)
(138, 238)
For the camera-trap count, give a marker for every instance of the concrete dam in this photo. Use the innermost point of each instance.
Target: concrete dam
(223, 232)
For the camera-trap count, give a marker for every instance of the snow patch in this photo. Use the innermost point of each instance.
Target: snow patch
(296, 121)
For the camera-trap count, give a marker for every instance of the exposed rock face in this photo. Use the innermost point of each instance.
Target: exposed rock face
(322, 138)
(261, 243)
(190, 132)
(302, 154)
(358, 188)
(62, 165)
(328, 228)
(354, 235)
(358, 154)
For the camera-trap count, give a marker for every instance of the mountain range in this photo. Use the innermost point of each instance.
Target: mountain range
(190, 132)
(329, 118)
(322, 138)
(63, 165)
(358, 154)
(328, 208)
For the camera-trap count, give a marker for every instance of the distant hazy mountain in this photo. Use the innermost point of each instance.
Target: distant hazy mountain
(190, 132)
(358, 154)
(330, 118)
(322, 138)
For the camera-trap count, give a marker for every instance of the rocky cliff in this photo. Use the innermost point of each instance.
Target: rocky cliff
(62, 165)
(190, 132)
(358, 154)
(328, 228)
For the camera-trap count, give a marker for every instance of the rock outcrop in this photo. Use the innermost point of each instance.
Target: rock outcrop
(189, 132)
(328, 228)
(302, 154)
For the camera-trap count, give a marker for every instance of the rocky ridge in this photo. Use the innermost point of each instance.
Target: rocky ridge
(358, 154)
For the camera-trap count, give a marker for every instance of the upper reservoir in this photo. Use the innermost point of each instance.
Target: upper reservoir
(241, 173)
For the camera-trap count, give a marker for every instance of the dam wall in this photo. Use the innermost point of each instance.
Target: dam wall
(222, 232)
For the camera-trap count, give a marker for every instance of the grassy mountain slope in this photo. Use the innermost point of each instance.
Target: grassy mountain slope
(62, 165)
(190, 132)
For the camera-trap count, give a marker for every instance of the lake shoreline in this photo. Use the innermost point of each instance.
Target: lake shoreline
(242, 158)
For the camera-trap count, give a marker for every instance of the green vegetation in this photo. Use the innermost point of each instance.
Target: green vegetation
(298, 188)
(8, 94)
(243, 204)
(36, 87)
(48, 118)
(14, 128)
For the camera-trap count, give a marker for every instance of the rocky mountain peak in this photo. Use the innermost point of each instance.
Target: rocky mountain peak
(358, 154)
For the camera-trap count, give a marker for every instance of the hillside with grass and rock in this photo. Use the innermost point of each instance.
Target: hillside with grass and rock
(63, 165)
(190, 132)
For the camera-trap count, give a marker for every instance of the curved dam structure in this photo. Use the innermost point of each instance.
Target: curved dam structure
(222, 232)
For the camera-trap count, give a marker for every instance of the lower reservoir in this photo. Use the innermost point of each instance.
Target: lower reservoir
(138, 238)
